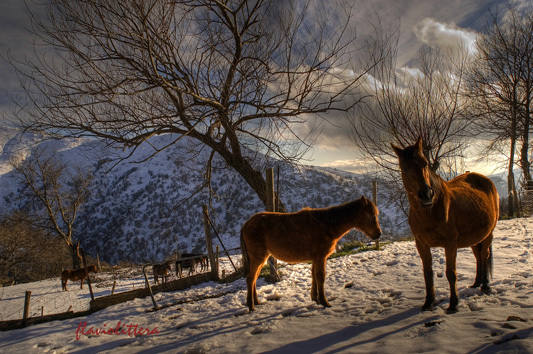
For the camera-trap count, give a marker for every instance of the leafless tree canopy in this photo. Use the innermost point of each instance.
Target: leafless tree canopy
(55, 195)
(229, 74)
(423, 102)
(500, 88)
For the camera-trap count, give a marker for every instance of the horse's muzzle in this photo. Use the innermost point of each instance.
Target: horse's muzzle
(425, 197)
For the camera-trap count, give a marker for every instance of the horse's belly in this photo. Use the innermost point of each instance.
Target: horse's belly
(290, 257)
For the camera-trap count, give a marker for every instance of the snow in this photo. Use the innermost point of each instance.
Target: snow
(375, 296)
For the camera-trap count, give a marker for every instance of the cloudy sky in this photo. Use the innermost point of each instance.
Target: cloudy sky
(422, 21)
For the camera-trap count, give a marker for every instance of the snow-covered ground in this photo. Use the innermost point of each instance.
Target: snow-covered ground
(376, 296)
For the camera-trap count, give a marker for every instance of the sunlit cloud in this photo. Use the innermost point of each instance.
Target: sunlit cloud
(444, 35)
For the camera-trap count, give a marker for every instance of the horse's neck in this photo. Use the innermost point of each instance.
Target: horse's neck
(341, 218)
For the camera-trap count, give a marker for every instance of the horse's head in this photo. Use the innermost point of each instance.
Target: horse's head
(368, 219)
(416, 174)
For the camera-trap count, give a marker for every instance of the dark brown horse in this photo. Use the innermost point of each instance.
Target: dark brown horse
(456, 214)
(75, 275)
(161, 270)
(191, 261)
(307, 235)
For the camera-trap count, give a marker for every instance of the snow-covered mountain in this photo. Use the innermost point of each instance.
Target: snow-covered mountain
(143, 211)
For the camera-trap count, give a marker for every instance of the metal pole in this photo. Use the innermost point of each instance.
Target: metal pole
(149, 288)
(86, 274)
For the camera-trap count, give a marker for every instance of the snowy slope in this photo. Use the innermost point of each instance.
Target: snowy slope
(147, 208)
(376, 296)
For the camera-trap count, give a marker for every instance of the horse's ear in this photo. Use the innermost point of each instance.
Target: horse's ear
(397, 150)
(364, 199)
(420, 144)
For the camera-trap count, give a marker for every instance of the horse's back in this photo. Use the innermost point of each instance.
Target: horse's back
(475, 185)
(476, 181)
(274, 225)
(475, 201)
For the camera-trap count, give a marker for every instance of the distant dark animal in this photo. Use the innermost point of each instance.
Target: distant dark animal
(161, 270)
(75, 275)
(191, 261)
(307, 235)
(456, 214)
(203, 261)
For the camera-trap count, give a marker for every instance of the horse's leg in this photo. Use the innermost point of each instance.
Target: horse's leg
(451, 274)
(320, 275)
(476, 249)
(425, 254)
(486, 257)
(255, 264)
(81, 285)
(314, 295)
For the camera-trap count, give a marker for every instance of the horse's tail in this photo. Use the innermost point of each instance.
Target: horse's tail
(245, 258)
(490, 262)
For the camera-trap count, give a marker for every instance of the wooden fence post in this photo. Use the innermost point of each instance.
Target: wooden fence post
(209, 243)
(375, 200)
(27, 299)
(271, 206)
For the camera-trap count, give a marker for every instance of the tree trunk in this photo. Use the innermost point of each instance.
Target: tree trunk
(524, 155)
(510, 181)
(254, 178)
(75, 255)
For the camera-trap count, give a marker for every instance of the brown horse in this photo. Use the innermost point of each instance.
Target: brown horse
(75, 275)
(162, 270)
(455, 214)
(307, 235)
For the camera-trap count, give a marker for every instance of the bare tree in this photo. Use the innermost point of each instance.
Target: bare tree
(235, 76)
(55, 196)
(26, 253)
(500, 86)
(423, 101)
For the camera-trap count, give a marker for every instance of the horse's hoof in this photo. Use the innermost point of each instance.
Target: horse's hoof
(428, 306)
(485, 289)
(475, 285)
(451, 310)
(325, 304)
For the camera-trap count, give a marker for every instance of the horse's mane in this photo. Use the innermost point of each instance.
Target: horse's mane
(336, 214)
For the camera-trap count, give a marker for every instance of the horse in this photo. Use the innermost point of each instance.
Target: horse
(191, 261)
(456, 214)
(162, 270)
(203, 261)
(75, 275)
(306, 235)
